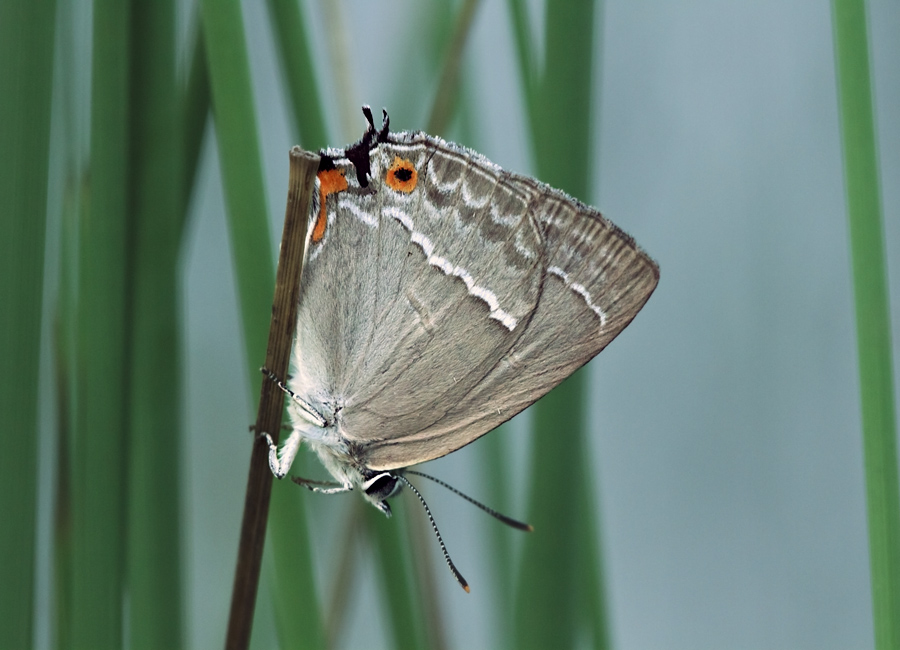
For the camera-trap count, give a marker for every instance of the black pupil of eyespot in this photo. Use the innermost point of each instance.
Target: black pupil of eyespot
(403, 174)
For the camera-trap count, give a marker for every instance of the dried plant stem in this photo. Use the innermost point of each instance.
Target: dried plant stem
(304, 166)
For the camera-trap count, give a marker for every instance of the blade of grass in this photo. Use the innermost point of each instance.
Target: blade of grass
(873, 330)
(590, 560)
(445, 99)
(562, 124)
(423, 53)
(98, 452)
(398, 582)
(298, 612)
(527, 64)
(154, 559)
(495, 463)
(296, 61)
(556, 582)
(195, 106)
(346, 572)
(423, 567)
(75, 197)
(26, 76)
(339, 68)
(547, 604)
(242, 175)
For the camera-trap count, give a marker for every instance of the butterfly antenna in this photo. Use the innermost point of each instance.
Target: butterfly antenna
(456, 574)
(315, 418)
(509, 521)
(273, 377)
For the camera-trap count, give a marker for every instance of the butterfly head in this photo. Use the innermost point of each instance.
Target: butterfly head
(379, 487)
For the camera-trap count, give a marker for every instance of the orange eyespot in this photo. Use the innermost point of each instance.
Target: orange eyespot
(402, 176)
(330, 182)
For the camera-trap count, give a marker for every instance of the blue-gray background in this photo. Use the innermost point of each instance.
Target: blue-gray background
(725, 419)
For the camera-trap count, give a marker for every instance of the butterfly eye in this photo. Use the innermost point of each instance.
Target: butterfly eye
(382, 486)
(402, 176)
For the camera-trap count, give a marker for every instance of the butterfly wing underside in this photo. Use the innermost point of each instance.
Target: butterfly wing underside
(429, 317)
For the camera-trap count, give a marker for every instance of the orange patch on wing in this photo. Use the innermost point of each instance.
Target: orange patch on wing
(402, 176)
(331, 181)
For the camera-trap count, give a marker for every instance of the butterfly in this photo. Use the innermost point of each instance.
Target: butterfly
(440, 296)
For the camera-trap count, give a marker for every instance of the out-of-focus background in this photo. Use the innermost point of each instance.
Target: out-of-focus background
(724, 423)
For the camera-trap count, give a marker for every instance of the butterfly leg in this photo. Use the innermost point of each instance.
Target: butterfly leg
(319, 486)
(280, 461)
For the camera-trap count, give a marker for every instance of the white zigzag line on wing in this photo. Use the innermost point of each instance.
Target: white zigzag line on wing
(475, 199)
(363, 216)
(488, 296)
(523, 250)
(580, 290)
(441, 186)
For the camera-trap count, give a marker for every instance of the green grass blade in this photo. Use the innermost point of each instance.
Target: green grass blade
(494, 472)
(444, 103)
(427, 574)
(397, 581)
(99, 449)
(346, 573)
(242, 176)
(527, 67)
(590, 564)
(65, 344)
(562, 129)
(298, 613)
(300, 73)
(76, 192)
(154, 559)
(74, 205)
(872, 316)
(195, 107)
(26, 75)
(547, 607)
(236, 133)
(559, 587)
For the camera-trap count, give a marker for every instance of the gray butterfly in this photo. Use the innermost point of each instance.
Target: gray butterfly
(441, 295)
